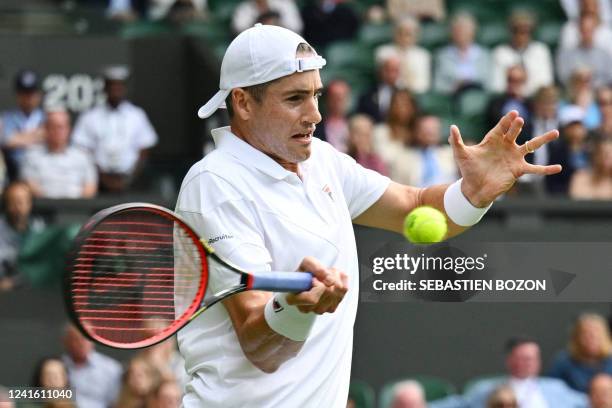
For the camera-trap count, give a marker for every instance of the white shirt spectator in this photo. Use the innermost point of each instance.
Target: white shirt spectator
(536, 59)
(159, 8)
(572, 10)
(59, 174)
(263, 217)
(115, 137)
(415, 68)
(247, 13)
(570, 36)
(97, 382)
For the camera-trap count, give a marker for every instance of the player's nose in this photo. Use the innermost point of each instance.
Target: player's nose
(311, 112)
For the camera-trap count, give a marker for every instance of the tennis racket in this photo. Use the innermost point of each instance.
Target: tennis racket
(137, 273)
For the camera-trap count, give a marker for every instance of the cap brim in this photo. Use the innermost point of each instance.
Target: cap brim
(214, 103)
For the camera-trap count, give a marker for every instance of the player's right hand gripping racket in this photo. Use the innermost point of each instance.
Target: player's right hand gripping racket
(138, 273)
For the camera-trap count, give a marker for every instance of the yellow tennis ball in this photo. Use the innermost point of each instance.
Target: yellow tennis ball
(425, 225)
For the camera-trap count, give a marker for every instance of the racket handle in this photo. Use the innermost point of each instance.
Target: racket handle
(280, 281)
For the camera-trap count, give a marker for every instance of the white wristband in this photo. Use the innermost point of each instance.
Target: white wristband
(286, 319)
(459, 209)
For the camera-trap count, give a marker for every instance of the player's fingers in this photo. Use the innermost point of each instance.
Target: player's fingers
(504, 123)
(310, 297)
(542, 170)
(454, 137)
(318, 270)
(539, 141)
(515, 129)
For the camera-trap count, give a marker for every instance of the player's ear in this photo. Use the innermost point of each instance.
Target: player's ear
(242, 103)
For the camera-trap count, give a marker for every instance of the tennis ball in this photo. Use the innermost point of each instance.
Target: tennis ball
(425, 225)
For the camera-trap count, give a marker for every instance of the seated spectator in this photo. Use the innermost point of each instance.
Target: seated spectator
(502, 397)
(581, 92)
(51, 373)
(600, 391)
(248, 11)
(426, 162)
(326, 21)
(4, 398)
(94, 377)
(137, 385)
(408, 394)
(16, 224)
(589, 353)
(376, 101)
(361, 147)
(595, 183)
(22, 125)
(167, 394)
(523, 363)
(570, 150)
(393, 136)
(570, 31)
(177, 11)
(586, 54)
(604, 103)
(415, 61)
(463, 64)
(118, 134)
(57, 170)
(424, 10)
(572, 9)
(334, 126)
(513, 98)
(522, 50)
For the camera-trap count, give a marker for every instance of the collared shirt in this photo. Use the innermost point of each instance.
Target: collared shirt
(59, 174)
(96, 382)
(263, 217)
(10, 243)
(115, 137)
(528, 393)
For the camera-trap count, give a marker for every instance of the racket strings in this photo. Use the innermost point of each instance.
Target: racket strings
(135, 276)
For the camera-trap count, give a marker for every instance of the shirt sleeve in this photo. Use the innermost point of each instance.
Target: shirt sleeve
(81, 135)
(361, 187)
(228, 224)
(29, 169)
(146, 133)
(90, 175)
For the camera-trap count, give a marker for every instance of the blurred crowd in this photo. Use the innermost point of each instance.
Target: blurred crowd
(579, 376)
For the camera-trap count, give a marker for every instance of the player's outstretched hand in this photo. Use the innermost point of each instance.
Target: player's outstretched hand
(328, 288)
(491, 167)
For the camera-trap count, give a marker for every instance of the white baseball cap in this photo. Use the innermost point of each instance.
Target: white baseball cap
(260, 54)
(571, 114)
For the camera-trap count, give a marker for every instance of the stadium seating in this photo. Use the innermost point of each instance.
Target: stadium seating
(362, 394)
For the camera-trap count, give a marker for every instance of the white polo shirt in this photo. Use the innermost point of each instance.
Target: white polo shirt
(263, 217)
(115, 137)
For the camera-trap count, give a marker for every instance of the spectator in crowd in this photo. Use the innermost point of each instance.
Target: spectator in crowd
(533, 56)
(513, 98)
(602, 35)
(334, 126)
(177, 11)
(376, 101)
(361, 146)
(523, 363)
(167, 394)
(16, 224)
(573, 8)
(600, 391)
(248, 11)
(4, 398)
(587, 54)
(126, 10)
(393, 136)
(408, 394)
(424, 10)
(595, 183)
(580, 92)
(570, 150)
(426, 162)
(57, 170)
(118, 134)
(589, 353)
(94, 377)
(326, 21)
(415, 61)
(139, 381)
(22, 125)
(50, 373)
(604, 103)
(502, 397)
(463, 64)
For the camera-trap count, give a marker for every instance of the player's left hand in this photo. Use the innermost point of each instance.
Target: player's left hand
(491, 167)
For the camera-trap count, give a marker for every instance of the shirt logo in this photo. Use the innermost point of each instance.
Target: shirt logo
(277, 307)
(327, 189)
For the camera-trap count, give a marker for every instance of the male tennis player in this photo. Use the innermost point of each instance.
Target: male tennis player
(272, 197)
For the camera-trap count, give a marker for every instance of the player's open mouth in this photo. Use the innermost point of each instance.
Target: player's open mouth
(302, 138)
